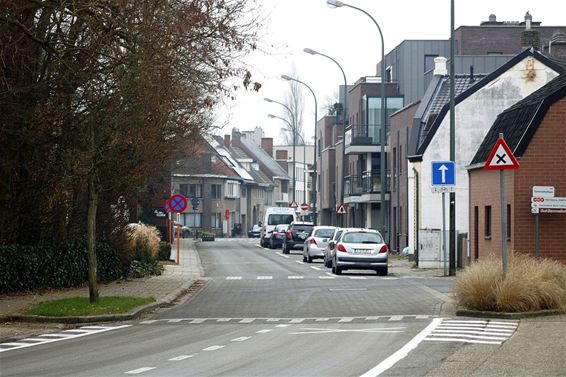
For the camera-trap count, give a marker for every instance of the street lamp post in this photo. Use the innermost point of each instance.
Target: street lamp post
(314, 179)
(294, 139)
(339, 4)
(345, 112)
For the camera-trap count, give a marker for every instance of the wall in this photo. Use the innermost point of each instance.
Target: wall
(474, 117)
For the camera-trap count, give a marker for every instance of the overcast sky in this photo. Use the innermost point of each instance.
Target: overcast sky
(352, 39)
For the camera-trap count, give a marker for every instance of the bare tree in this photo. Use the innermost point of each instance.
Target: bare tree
(295, 101)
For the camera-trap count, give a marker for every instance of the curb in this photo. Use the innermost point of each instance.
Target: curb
(504, 315)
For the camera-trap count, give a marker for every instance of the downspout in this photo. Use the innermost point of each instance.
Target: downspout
(416, 252)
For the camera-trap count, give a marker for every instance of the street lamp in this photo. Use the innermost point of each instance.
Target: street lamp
(338, 4)
(345, 112)
(294, 138)
(314, 179)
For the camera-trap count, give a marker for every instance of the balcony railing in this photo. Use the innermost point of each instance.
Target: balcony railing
(363, 134)
(369, 183)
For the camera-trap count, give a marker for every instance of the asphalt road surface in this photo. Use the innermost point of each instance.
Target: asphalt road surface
(263, 313)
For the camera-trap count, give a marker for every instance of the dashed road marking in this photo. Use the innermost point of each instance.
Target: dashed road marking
(182, 357)
(263, 331)
(295, 277)
(316, 268)
(139, 370)
(233, 278)
(241, 339)
(213, 348)
(264, 277)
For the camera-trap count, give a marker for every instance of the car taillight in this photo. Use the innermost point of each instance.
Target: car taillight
(383, 249)
(313, 241)
(341, 248)
(276, 235)
(289, 234)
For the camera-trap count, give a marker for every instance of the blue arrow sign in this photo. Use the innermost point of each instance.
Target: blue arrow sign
(443, 173)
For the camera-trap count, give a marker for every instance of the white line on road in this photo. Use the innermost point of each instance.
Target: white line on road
(295, 277)
(461, 340)
(297, 320)
(182, 357)
(223, 319)
(396, 318)
(327, 277)
(346, 319)
(357, 277)
(459, 335)
(264, 331)
(403, 351)
(316, 268)
(329, 274)
(197, 321)
(241, 339)
(300, 262)
(139, 370)
(282, 326)
(233, 278)
(247, 320)
(213, 348)
(264, 277)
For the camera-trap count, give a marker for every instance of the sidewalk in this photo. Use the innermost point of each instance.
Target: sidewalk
(175, 281)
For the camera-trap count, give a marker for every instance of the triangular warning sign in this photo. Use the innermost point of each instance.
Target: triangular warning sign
(293, 204)
(501, 157)
(341, 210)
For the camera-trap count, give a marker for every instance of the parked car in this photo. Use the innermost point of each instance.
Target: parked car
(316, 243)
(296, 235)
(254, 231)
(363, 249)
(277, 236)
(328, 250)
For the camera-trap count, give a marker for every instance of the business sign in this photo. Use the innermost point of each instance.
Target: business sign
(443, 176)
(543, 191)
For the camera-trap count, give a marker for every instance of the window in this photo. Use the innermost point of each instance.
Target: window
(192, 220)
(232, 189)
(215, 220)
(429, 62)
(389, 73)
(191, 189)
(400, 159)
(487, 223)
(508, 222)
(244, 191)
(215, 191)
(394, 188)
(362, 237)
(284, 186)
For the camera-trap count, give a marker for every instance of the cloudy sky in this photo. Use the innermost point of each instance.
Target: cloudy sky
(352, 39)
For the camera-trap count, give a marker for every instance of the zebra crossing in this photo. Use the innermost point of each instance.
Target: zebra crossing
(256, 321)
(301, 277)
(57, 337)
(473, 331)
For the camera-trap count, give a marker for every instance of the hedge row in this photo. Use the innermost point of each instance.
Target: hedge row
(32, 267)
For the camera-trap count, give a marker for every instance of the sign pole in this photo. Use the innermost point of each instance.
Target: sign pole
(536, 234)
(444, 234)
(503, 220)
(178, 242)
(169, 230)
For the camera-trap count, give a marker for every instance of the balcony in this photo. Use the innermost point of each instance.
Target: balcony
(363, 138)
(365, 188)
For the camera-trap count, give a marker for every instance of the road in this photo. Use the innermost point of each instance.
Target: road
(263, 313)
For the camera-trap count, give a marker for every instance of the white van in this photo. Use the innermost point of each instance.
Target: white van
(273, 217)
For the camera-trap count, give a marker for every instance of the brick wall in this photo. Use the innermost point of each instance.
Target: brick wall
(543, 164)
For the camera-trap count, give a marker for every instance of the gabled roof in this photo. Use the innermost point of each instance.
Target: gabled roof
(263, 157)
(520, 122)
(425, 138)
(229, 160)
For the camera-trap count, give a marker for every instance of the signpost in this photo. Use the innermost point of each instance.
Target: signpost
(176, 204)
(443, 180)
(544, 201)
(501, 158)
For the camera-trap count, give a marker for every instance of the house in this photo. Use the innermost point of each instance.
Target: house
(476, 108)
(535, 131)
(283, 154)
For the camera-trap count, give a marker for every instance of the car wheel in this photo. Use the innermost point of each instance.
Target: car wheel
(382, 271)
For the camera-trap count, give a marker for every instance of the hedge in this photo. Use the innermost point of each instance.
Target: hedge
(45, 266)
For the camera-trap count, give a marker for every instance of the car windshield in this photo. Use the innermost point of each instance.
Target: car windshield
(302, 228)
(279, 219)
(362, 237)
(324, 233)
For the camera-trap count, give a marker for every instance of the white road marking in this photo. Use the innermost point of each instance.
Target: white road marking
(233, 278)
(327, 277)
(372, 318)
(139, 370)
(316, 268)
(264, 331)
(357, 277)
(51, 338)
(282, 326)
(148, 322)
(422, 317)
(213, 348)
(241, 339)
(300, 262)
(481, 332)
(182, 357)
(396, 318)
(328, 273)
(297, 320)
(273, 319)
(177, 320)
(380, 330)
(322, 319)
(439, 331)
(197, 321)
(247, 320)
(223, 319)
(295, 277)
(403, 351)
(461, 340)
(264, 277)
(346, 319)
(475, 328)
(479, 337)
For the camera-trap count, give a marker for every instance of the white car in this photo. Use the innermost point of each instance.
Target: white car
(275, 216)
(363, 249)
(316, 243)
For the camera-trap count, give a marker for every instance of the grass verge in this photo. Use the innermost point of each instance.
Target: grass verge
(530, 285)
(80, 306)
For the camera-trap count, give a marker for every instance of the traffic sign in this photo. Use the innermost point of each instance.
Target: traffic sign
(501, 157)
(177, 203)
(304, 206)
(341, 210)
(293, 204)
(443, 173)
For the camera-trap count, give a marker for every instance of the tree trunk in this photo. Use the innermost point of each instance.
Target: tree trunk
(91, 238)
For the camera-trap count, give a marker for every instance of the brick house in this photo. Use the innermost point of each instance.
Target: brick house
(535, 130)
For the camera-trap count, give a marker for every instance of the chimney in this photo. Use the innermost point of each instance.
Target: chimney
(557, 45)
(227, 141)
(267, 145)
(440, 66)
(530, 37)
(472, 78)
(281, 155)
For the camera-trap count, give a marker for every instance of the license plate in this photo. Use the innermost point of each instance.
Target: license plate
(362, 251)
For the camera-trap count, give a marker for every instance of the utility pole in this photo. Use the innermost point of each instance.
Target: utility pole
(452, 207)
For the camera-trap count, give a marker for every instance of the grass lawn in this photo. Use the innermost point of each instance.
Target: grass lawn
(78, 306)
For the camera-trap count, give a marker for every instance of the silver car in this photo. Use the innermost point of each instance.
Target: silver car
(316, 243)
(363, 249)
(328, 251)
